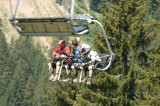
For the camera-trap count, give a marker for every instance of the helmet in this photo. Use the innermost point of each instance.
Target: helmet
(85, 48)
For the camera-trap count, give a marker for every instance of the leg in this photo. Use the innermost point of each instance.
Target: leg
(57, 71)
(84, 71)
(68, 73)
(51, 71)
(75, 73)
(89, 81)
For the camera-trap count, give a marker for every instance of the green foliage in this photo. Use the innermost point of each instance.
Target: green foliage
(127, 31)
(131, 35)
(22, 66)
(94, 4)
(4, 65)
(133, 78)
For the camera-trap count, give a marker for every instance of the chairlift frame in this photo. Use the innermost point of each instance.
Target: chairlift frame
(68, 20)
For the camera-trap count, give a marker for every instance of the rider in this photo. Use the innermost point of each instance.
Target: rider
(77, 60)
(57, 54)
(91, 58)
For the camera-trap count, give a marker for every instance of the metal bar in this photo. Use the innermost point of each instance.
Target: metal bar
(15, 9)
(60, 70)
(72, 11)
(35, 33)
(44, 18)
(10, 6)
(107, 42)
(72, 16)
(80, 78)
(31, 22)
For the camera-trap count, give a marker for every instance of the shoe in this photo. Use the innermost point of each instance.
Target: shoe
(55, 78)
(52, 77)
(67, 80)
(89, 81)
(75, 80)
(84, 80)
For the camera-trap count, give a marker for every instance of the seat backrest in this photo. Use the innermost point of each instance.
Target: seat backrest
(104, 60)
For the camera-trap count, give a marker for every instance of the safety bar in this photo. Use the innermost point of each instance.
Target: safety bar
(15, 10)
(60, 70)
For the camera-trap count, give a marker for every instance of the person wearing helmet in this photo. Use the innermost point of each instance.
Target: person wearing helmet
(58, 56)
(90, 58)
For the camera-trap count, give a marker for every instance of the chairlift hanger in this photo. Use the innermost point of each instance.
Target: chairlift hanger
(60, 26)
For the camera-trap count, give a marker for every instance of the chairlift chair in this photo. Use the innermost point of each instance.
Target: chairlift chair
(60, 26)
(48, 26)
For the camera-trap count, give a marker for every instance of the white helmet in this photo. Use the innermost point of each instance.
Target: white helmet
(85, 48)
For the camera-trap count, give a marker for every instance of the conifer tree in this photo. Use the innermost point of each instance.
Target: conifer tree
(16, 89)
(28, 61)
(4, 64)
(126, 29)
(130, 36)
(29, 91)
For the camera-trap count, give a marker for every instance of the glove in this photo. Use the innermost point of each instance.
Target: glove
(63, 56)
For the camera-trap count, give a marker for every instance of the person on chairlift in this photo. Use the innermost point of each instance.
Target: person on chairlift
(57, 58)
(90, 58)
(77, 61)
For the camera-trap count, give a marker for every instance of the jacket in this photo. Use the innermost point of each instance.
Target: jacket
(91, 56)
(77, 53)
(57, 50)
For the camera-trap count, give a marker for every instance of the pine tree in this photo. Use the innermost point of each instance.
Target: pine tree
(130, 33)
(29, 91)
(16, 88)
(5, 71)
(28, 67)
(126, 30)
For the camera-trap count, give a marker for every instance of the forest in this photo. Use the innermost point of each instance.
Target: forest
(133, 30)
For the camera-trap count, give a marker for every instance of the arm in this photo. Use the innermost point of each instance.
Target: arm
(55, 52)
(67, 50)
(94, 57)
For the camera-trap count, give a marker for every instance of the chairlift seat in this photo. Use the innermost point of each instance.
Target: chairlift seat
(104, 60)
(59, 26)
